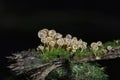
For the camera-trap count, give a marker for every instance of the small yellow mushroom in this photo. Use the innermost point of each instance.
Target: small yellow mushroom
(67, 41)
(74, 50)
(68, 36)
(40, 48)
(42, 34)
(49, 39)
(99, 43)
(60, 42)
(52, 33)
(58, 35)
(109, 48)
(68, 48)
(95, 48)
(52, 43)
(84, 45)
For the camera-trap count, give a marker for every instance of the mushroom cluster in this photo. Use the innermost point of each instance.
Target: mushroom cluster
(51, 39)
(95, 45)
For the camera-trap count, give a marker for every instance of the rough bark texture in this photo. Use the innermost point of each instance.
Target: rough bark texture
(41, 71)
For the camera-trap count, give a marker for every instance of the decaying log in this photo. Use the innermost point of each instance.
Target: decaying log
(110, 55)
(40, 71)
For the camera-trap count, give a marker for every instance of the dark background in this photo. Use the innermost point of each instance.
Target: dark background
(90, 20)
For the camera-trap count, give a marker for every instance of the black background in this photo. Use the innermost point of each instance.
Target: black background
(90, 20)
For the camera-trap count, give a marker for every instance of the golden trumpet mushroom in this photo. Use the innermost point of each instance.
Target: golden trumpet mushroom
(74, 47)
(49, 39)
(42, 34)
(104, 50)
(46, 30)
(109, 48)
(40, 48)
(99, 43)
(68, 36)
(95, 48)
(84, 45)
(60, 42)
(44, 40)
(52, 43)
(58, 35)
(52, 33)
(67, 41)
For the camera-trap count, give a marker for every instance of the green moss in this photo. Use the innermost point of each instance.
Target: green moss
(47, 56)
(83, 71)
